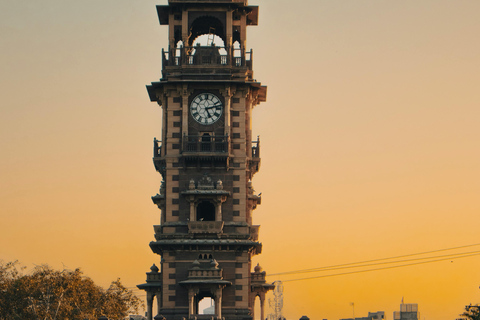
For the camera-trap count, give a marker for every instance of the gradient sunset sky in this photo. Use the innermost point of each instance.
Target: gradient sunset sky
(369, 142)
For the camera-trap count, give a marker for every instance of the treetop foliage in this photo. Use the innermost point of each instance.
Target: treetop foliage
(472, 312)
(48, 294)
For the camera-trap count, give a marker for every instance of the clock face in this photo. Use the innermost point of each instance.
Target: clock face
(206, 108)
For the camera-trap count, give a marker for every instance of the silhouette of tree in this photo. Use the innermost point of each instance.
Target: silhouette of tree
(50, 294)
(472, 312)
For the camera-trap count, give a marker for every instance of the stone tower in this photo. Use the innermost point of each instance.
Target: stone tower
(207, 160)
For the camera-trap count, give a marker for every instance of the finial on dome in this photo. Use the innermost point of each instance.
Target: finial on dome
(214, 263)
(154, 268)
(257, 268)
(196, 264)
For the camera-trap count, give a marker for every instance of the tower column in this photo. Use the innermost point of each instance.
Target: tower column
(229, 30)
(150, 296)
(218, 211)
(262, 307)
(159, 300)
(185, 29)
(191, 302)
(185, 109)
(192, 210)
(227, 95)
(218, 303)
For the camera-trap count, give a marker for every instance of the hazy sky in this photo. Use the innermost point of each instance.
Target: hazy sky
(369, 136)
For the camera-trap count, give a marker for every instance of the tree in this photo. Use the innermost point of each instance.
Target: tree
(472, 312)
(48, 294)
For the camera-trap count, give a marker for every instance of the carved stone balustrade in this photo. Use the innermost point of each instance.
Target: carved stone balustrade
(205, 226)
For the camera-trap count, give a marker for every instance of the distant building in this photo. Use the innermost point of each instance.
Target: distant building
(379, 315)
(408, 311)
(209, 310)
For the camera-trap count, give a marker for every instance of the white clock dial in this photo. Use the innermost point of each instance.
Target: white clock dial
(206, 108)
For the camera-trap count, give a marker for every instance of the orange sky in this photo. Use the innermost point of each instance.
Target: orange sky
(370, 144)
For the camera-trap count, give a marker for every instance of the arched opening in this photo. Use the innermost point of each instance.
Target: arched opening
(178, 48)
(206, 211)
(257, 312)
(206, 306)
(178, 52)
(205, 256)
(206, 142)
(206, 25)
(237, 51)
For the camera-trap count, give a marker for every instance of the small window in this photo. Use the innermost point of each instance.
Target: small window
(206, 211)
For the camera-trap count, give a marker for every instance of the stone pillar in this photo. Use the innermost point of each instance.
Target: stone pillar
(191, 302)
(218, 303)
(185, 34)
(227, 97)
(150, 296)
(252, 303)
(159, 300)
(185, 110)
(218, 211)
(262, 307)
(164, 125)
(229, 29)
(192, 211)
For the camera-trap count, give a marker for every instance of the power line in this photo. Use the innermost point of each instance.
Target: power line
(383, 268)
(352, 264)
(447, 256)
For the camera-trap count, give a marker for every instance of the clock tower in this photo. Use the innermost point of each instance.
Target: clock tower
(207, 159)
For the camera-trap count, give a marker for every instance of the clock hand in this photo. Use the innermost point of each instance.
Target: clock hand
(218, 104)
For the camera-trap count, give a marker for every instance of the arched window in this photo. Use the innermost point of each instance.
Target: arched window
(206, 25)
(257, 309)
(237, 53)
(205, 256)
(206, 211)
(206, 306)
(206, 142)
(178, 52)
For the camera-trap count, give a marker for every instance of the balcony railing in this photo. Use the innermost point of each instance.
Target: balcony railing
(205, 226)
(215, 144)
(207, 56)
(205, 144)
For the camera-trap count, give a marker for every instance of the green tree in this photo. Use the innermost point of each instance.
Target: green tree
(48, 294)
